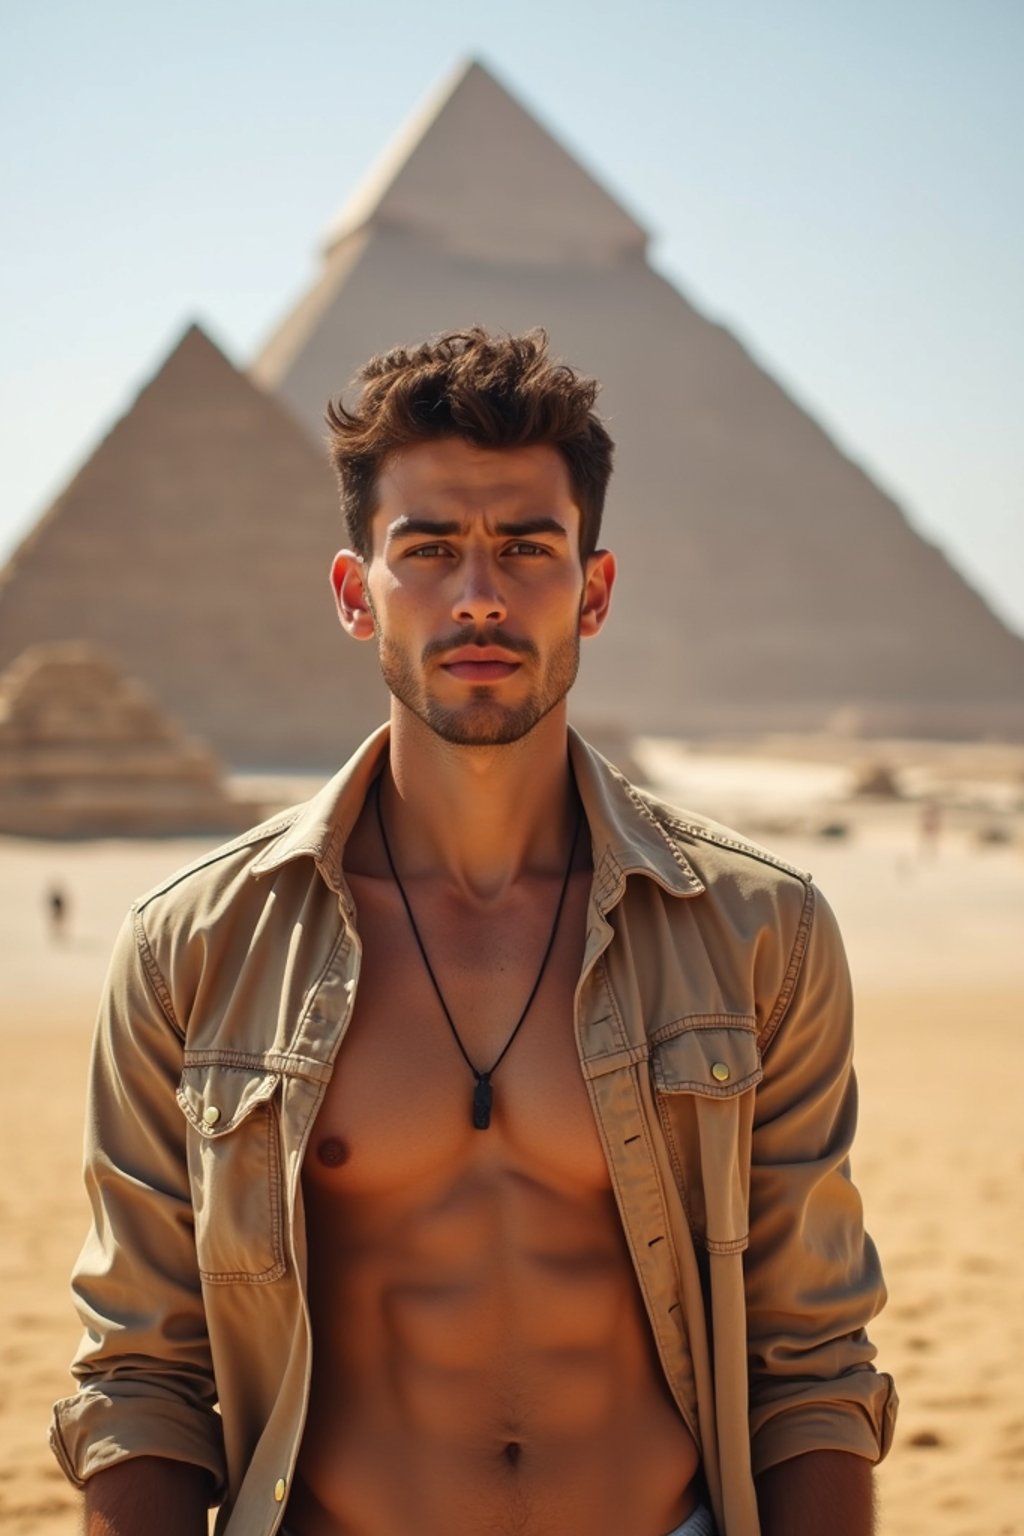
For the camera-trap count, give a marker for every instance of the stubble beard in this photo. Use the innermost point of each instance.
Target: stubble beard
(482, 721)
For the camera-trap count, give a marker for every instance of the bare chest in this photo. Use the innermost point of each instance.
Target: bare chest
(398, 1111)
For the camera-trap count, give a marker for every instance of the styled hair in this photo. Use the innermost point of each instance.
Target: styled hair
(496, 392)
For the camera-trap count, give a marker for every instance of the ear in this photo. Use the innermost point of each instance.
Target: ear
(348, 583)
(597, 592)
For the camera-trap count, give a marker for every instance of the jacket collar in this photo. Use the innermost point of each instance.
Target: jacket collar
(630, 833)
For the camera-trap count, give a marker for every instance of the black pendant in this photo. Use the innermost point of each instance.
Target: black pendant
(482, 1102)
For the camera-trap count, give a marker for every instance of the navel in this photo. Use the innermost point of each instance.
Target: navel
(332, 1152)
(512, 1452)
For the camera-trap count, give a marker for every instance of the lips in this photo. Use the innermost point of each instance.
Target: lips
(481, 663)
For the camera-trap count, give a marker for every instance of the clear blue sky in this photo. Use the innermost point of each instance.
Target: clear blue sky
(840, 181)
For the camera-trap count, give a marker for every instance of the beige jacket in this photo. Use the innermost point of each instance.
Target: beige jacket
(713, 1018)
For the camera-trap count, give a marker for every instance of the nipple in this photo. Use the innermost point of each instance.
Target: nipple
(332, 1152)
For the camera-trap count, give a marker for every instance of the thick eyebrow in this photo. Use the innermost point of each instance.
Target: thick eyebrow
(414, 527)
(427, 527)
(529, 526)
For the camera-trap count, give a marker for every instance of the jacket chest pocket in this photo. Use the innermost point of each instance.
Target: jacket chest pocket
(705, 1069)
(234, 1161)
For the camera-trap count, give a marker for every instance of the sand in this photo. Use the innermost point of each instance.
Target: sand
(936, 939)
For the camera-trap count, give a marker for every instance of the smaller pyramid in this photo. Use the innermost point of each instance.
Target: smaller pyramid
(85, 751)
(195, 544)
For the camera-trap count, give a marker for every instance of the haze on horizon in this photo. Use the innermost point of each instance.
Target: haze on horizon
(839, 185)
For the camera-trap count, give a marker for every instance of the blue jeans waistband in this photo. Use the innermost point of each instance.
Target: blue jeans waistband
(699, 1523)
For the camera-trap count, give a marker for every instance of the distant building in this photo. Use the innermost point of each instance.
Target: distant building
(86, 751)
(766, 582)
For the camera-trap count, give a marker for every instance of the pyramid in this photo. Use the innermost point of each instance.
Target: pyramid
(766, 583)
(85, 751)
(195, 545)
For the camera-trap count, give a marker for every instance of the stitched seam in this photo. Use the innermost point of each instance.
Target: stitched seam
(705, 834)
(735, 1245)
(610, 1159)
(647, 811)
(154, 975)
(262, 833)
(665, 1221)
(615, 1011)
(330, 860)
(789, 981)
(276, 1268)
(627, 1057)
(697, 1021)
(272, 1062)
(274, 1160)
(229, 1276)
(675, 1160)
(706, 1090)
(231, 1061)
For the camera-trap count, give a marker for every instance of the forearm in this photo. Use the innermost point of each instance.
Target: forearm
(147, 1493)
(822, 1493)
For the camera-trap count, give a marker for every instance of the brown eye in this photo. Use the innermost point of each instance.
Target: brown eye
(427, 551)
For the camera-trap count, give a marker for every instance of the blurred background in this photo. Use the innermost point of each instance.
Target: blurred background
(788, 240)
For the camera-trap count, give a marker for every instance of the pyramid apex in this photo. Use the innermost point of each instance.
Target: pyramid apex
(195, 338)
(476, 173)
(193, 360)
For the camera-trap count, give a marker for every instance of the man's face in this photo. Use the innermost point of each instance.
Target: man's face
(475, 587)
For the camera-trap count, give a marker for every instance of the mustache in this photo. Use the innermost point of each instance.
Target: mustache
(481, 637)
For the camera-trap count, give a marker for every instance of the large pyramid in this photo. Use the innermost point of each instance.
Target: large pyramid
(767, 582)
(195, 544)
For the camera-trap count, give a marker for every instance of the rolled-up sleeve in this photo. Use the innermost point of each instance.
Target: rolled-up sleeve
(145, 1380)
(812, 1276)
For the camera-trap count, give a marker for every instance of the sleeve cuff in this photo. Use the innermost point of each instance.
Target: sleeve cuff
(859, 1418)
(95, 1429)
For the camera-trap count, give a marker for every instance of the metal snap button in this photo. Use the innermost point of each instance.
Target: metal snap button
(720, 1072)
(280, 1489)
(211, 1114)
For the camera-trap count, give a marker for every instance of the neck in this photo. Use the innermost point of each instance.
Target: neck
(482, 816)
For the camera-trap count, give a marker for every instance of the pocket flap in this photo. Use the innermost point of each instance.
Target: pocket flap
(716, 1056)
(215, 1097)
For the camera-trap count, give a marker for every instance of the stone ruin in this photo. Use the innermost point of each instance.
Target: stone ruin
(86, 751)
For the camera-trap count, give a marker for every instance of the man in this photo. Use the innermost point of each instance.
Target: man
(474, 1137)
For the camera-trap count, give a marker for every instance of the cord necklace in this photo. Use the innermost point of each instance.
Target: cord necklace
(483, 1094)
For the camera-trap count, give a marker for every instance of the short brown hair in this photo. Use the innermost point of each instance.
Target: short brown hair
(496, 392)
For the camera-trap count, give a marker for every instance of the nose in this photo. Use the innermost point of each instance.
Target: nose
(478, 600)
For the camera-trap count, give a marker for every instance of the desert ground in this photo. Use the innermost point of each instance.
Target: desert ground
(934, 923)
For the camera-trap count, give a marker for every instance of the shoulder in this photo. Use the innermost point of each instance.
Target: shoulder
(712, 843)
(725, 860)
(220, 868)
(223, 939)
(746, 923)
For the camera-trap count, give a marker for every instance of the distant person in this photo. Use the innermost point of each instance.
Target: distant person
(57, 912)
(468, 1146)
(931, 827)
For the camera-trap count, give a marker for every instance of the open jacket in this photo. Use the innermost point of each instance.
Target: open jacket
(713, 1021)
